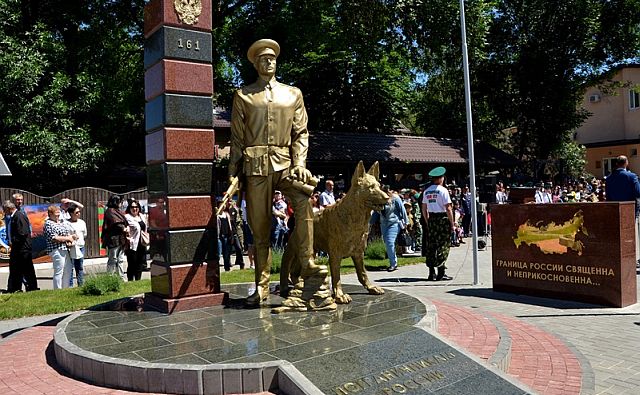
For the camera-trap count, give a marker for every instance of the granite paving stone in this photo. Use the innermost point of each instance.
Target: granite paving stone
(202, 332)
(318, 332)
(375, 332)
(105, 330)
(313, 348)
(111, 350)
(177, 328)
(235, 351)
(188, 347)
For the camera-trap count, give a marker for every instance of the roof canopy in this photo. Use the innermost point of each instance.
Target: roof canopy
(378, 147)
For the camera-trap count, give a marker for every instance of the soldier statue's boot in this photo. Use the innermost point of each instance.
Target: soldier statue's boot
(432, 274)
(263, 261)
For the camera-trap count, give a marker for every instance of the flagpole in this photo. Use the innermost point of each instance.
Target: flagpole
(472, 166)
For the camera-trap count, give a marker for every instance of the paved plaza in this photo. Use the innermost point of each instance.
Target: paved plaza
(548, 345)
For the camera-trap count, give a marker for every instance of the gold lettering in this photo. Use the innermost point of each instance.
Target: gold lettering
(352, 387)
(389, 375)
(399, 388)
(340, 391)
(380, 379)
(410, 384)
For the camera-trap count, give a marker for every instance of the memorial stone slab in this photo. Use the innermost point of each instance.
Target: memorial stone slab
(574, 251)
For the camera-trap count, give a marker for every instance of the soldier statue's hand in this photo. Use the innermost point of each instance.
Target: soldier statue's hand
(300, 173)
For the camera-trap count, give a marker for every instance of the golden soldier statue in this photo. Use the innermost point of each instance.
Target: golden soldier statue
(269, 143)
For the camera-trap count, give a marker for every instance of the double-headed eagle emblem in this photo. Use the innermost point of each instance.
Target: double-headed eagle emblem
(188, 10)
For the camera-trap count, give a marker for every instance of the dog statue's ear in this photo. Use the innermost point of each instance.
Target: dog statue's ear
(375, 170)
(358, 173)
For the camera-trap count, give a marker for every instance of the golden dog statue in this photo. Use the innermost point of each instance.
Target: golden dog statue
(342, 230)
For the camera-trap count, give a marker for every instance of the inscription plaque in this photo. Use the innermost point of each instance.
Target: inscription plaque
(180, 44)
(574, 251)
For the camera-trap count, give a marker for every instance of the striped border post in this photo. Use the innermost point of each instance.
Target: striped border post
(180, 153)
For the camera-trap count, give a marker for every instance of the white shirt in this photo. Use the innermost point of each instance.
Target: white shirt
(543, 197)
(80, 228)
(436, 197)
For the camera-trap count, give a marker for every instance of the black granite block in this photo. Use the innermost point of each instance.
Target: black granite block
(413, 362)
(183, 246)
(178, 110)
(175, 178)
(180, 44)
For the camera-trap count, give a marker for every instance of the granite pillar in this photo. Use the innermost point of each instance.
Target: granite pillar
(180, 152)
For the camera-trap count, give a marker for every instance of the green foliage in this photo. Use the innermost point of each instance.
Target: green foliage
(102, 284)
(71, 93)
(276, 261)
(62, 300)
(375, 250)
(346, 57)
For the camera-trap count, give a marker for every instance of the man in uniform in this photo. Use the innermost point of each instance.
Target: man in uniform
(269, 143)
(437, 211)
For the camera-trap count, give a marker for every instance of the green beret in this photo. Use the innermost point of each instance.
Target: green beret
(437, 172)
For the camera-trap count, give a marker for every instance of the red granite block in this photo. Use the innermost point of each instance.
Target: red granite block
(175, 305)
(191, 212)
(162, 12)
(171, 144)
(201, 144)
(172, 76)
(179, 281)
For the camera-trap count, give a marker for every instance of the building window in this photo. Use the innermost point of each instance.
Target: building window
(608, 166)
(634, 99)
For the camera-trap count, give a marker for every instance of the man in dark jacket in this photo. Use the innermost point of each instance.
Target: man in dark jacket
(622, 185)
(20, 260)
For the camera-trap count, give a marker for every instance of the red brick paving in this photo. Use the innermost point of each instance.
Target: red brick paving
(473, 332)
(541, 360)
(24, 369)
(538, 359)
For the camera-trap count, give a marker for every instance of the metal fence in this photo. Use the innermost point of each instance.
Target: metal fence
(91, 198)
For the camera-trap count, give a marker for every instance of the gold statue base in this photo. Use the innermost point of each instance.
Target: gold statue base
(310, 294)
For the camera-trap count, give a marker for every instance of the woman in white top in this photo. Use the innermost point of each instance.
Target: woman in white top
(76, 251)
(138, 241)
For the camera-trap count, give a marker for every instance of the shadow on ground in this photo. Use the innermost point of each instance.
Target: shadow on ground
(488, 293)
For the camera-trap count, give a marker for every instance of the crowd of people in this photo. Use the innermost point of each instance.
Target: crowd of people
(445, 210)
(65, 233)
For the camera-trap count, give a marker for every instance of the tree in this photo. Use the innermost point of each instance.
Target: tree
(541, 54)
(72, 96)
(346, 57)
